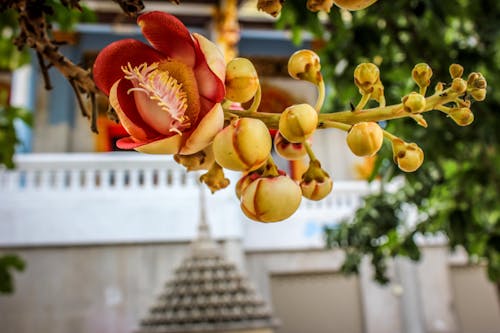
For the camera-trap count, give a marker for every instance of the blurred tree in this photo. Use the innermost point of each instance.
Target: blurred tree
(8, 263)
(456, 189)
(11, 58)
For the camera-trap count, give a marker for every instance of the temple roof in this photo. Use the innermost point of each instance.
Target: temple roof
(207, 294)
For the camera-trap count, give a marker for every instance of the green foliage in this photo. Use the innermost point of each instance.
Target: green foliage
(8, 264)
(66, 18)
(456, 189)
(10, 57)
(8, 137)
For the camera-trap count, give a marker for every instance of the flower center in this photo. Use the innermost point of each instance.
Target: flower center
(165, 90)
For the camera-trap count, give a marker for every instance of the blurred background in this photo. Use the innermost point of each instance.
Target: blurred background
(89, 235)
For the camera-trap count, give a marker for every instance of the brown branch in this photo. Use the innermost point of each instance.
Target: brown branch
(131, 7)
(79, 99)
(34, 34)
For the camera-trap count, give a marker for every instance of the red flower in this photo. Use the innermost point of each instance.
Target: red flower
(166, 95)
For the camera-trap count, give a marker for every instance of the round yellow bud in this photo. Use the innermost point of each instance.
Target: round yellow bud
(243, 145)
(287, 149)
(316, 190)
(456, 70)
(462, 116)
(422, 74)
(241, 81)
(271, 199)
(305, 65)
(459, 85)
(366, 75)
(408, 156)
(365, 138)
(298, 122)
(354, 4)
(414, 103)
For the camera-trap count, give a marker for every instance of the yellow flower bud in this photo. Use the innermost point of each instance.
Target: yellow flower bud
(476, 80)
(317, 5)
(366, 75)
(316, 190)
(478, 94)
(316, 183)
(305, 65)
(287, 149)
(408, 156)
(462, 116)
(414, 103)
(354, 4)
(459, 85)
(439, 87)
(481, 82)
(243, 145)
(456, 71)
(472, 78)
(298, 122)
(272, 7)
(365, 138)
(244, 181)
(271, 199)
(422, 74)
(241, 81)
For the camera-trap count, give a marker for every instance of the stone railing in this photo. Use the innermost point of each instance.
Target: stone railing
(57, 199)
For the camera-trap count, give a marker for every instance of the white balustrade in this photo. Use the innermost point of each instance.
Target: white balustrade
(60, 199)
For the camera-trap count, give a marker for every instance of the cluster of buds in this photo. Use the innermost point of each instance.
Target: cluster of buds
(245, 144)
(472, 89)
(273, 7)
(266, 193)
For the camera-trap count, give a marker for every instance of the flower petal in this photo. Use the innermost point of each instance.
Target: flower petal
(108, 64)
(210, 85)
(168, 35)
(123, 104)
(213, 56)
(205, 132)
(167, 146)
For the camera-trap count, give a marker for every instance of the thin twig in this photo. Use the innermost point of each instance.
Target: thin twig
(93, 118)
(79, 99)
(44, 69)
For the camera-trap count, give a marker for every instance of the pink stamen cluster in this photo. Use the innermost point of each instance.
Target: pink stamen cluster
(163, 88)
